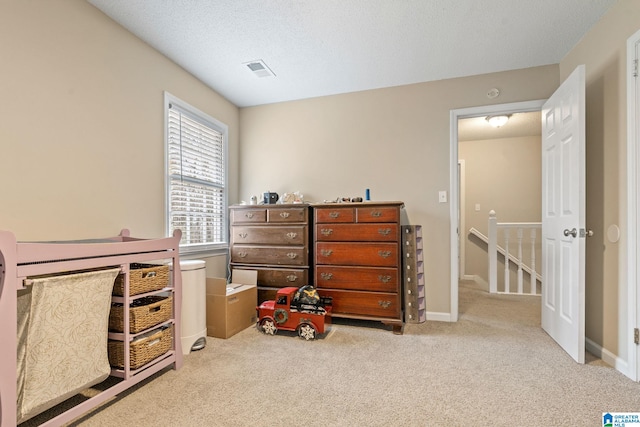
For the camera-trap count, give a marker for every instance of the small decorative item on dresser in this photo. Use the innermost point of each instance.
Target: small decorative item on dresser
(270, 198)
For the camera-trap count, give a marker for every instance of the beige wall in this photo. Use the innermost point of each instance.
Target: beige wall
(81, 123)
(603, 51)
(394, 141)
(503, 175)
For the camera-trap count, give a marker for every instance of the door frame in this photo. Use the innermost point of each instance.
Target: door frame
(454, 116)
(633, 210)
(461, 217)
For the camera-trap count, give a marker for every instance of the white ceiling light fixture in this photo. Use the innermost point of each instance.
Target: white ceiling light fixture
(259, 68)
(497, 121)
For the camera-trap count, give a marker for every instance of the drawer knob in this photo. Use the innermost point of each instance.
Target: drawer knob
(292, 235)
(292, 255)
(242, 254)
(376, 214)
(384, 279)
(334, 214)
(384, 231)
(384, 304)
(326, 252)
(249, 215)
(326, 276)
(284, 214)
(242, 235)
(326, 231)
(384, 254)
(292, 277)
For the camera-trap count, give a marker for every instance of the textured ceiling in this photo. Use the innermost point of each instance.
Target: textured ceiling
(324, 47)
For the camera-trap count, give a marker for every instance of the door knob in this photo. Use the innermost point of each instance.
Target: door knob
(586, 233)
(572, 233)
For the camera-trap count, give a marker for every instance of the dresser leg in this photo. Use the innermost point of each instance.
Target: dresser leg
(398, 327)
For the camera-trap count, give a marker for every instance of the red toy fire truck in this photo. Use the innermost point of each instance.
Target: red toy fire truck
(296, 309)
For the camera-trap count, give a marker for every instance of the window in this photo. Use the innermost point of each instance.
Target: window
(196, 198)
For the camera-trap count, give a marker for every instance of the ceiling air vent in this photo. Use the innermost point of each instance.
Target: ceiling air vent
(259, 68)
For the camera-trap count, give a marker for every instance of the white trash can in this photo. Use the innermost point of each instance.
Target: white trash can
(194, 305)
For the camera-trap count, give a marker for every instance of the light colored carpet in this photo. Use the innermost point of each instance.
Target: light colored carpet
(494, 367)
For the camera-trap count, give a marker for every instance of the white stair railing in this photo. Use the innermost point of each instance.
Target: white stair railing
(494, 249)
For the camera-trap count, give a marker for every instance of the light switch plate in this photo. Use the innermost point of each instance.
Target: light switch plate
(442, 196)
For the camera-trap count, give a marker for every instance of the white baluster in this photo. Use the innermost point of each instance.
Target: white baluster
(507, 287)
(520, 278)
(533, 262)
(493, 253)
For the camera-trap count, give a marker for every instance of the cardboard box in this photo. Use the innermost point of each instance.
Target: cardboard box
(231, 307)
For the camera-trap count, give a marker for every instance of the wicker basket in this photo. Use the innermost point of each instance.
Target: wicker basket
(143, 349)
(143, 313)
(143, 278)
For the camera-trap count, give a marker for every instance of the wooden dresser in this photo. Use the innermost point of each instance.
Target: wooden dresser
(357, 260)
(274, 240)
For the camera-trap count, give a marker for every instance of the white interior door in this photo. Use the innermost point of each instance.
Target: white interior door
(633, 198)
(563, 217)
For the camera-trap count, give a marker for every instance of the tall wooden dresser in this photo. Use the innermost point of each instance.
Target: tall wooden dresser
(357, 260)
(274, 240)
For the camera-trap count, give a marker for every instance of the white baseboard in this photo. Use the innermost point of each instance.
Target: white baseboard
(608, 357)
(439, 317)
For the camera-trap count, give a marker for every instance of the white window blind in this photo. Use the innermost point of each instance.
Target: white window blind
(196, 178)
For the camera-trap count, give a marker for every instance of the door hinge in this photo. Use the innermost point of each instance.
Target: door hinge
(635, 68)
(636, 336)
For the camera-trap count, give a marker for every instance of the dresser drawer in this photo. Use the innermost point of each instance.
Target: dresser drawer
(357, 278)
(377, 304)
(249, 215)
(273, 235)
(357, 254)
(276, 215)
(275, 255)
(377, 214)
(357, 232)
(279, 277)
(332, 215)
